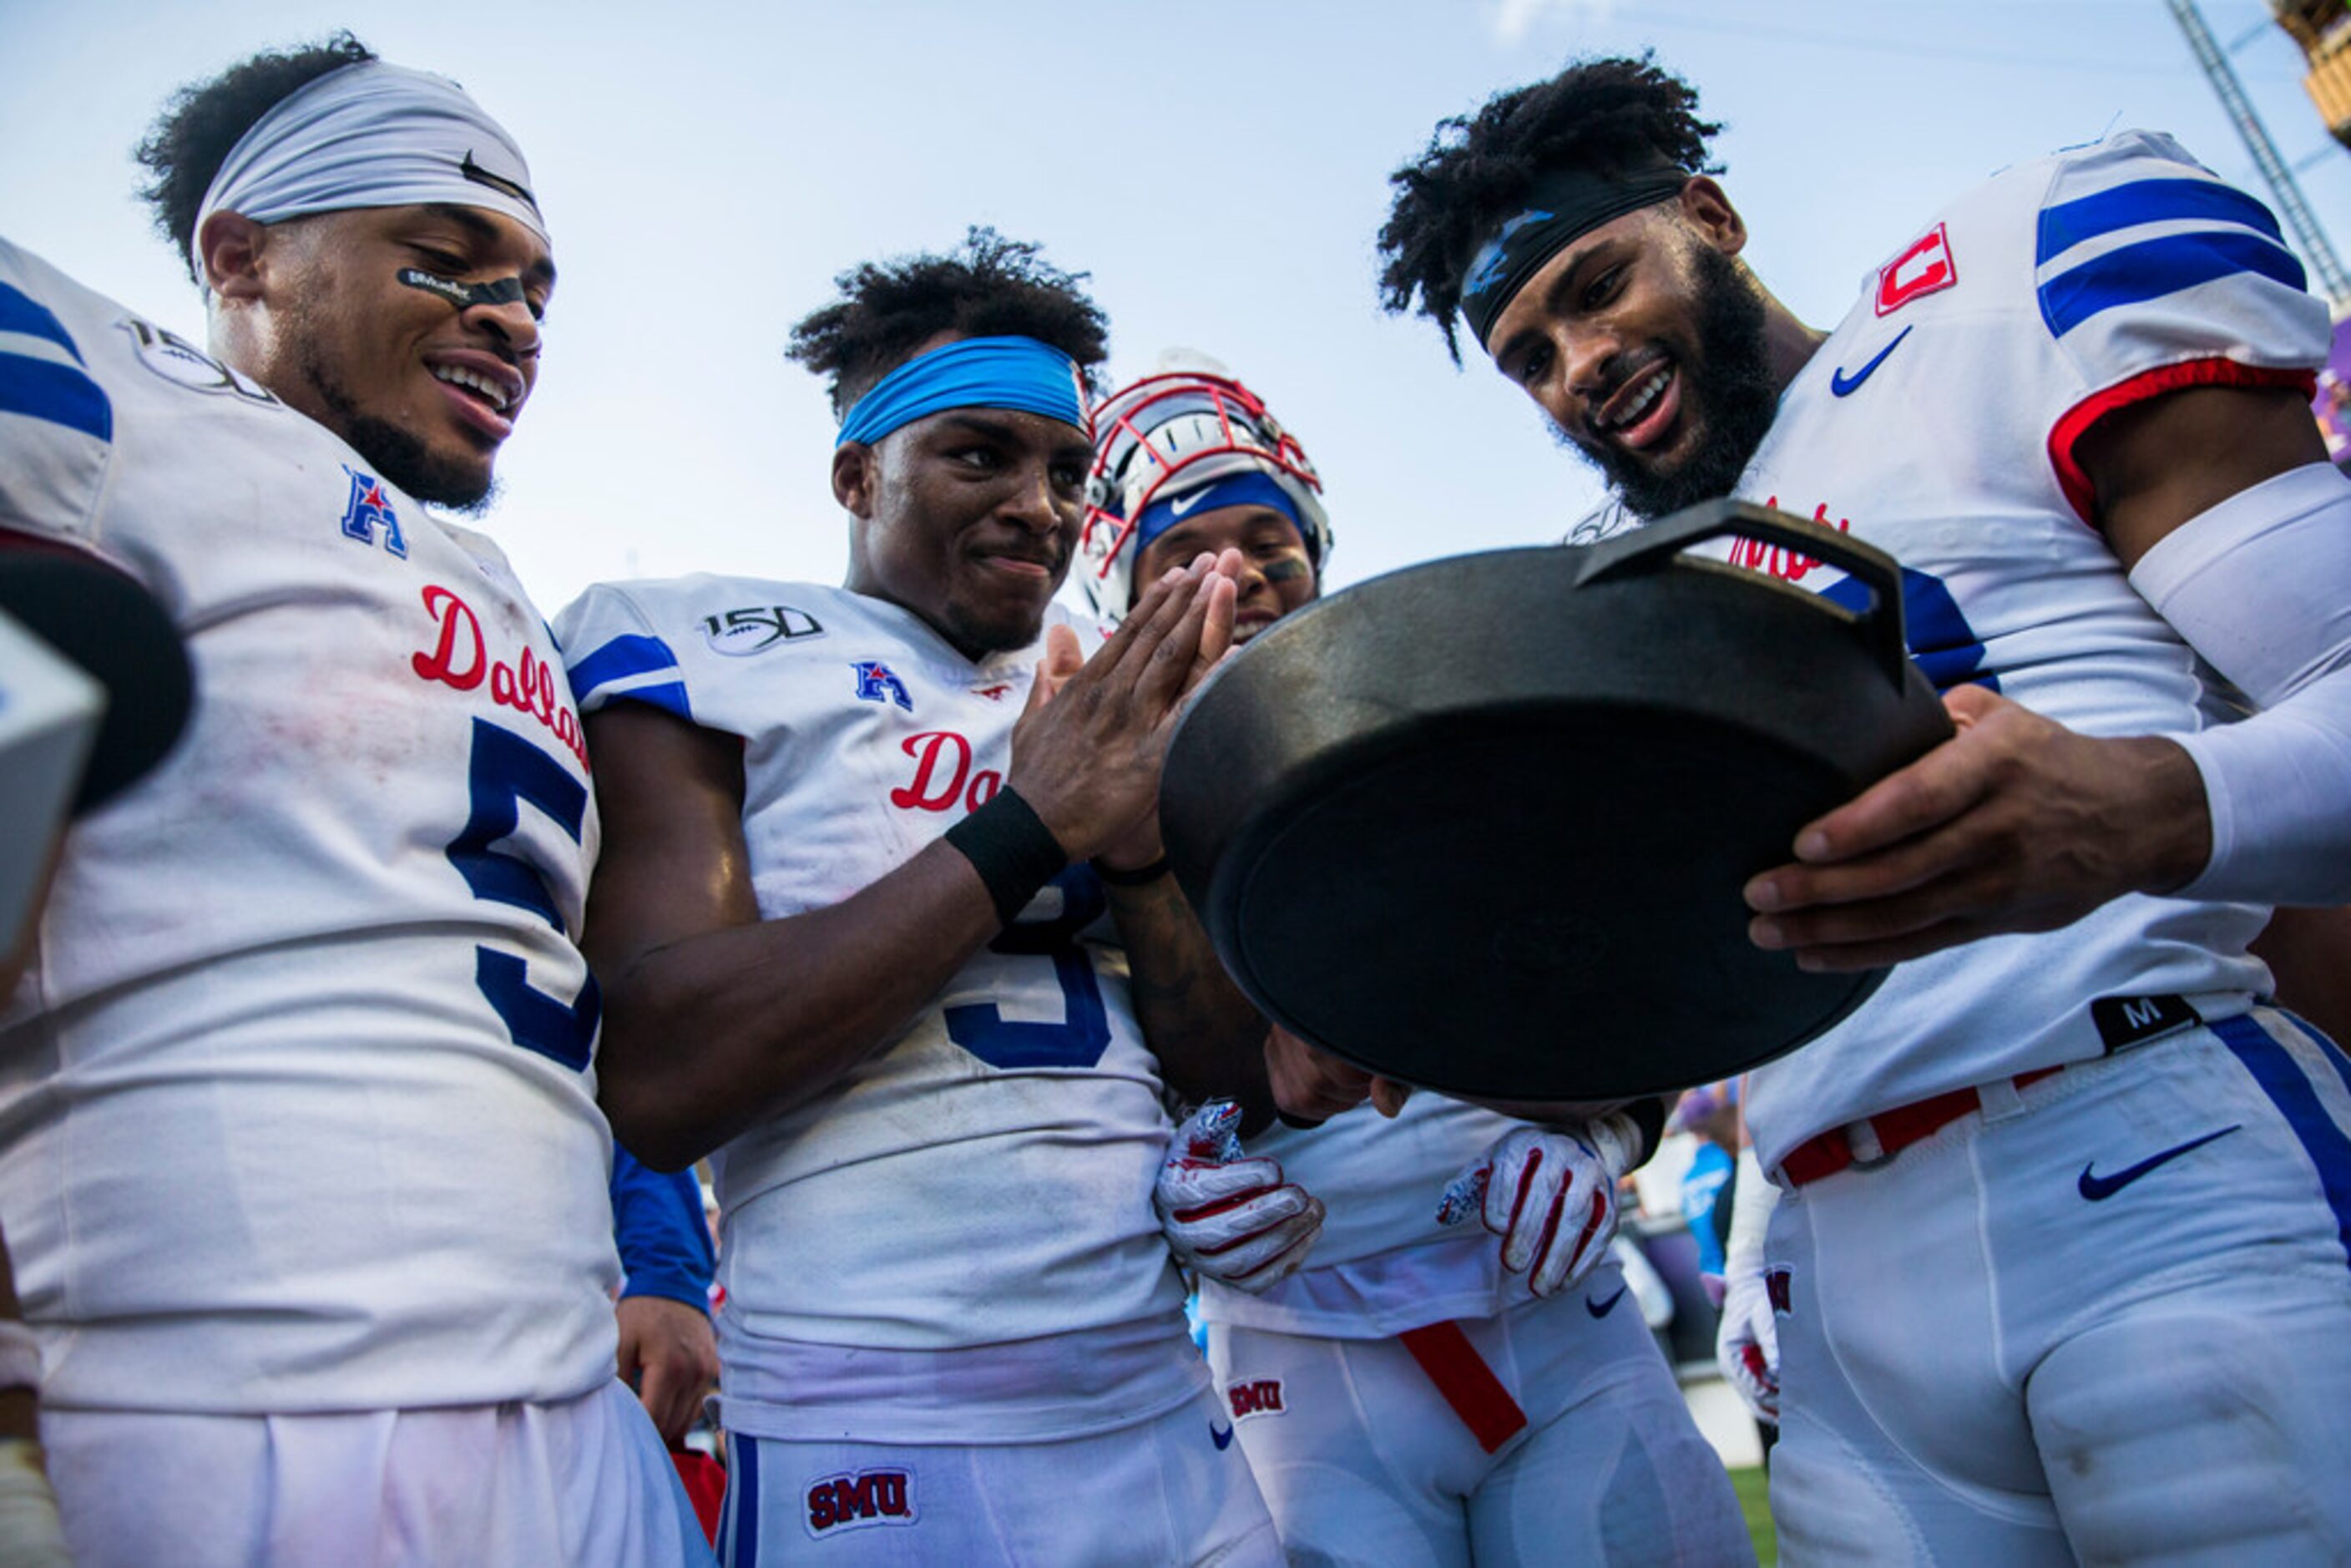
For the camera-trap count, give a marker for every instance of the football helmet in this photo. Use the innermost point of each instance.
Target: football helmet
(1186, 424)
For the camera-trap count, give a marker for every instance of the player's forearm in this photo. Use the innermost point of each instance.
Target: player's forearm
(1208, 1036)
(708, 1035)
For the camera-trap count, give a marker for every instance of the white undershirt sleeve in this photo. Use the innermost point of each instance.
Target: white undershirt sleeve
(2261, 587)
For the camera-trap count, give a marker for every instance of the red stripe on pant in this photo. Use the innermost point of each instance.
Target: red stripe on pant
(1468, 1384)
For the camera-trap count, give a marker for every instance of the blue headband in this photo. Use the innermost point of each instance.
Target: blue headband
(1257, 489)
(973, 372)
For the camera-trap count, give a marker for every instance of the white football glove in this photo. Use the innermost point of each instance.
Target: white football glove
(1747, 1345)
(1550, 1196)
(1227, 1217)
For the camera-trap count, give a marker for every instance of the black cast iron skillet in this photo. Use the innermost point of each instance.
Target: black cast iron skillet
(1482, 825)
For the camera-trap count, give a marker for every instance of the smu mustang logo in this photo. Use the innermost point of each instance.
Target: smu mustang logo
(368, 508)
(859, 1500)
(875, 683)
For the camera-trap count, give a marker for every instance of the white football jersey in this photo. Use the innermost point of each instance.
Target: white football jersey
(984, 1178)
(1938, 423)
(296, 1105)
(1383, 1264)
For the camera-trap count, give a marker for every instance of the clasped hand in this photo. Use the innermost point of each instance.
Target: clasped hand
(1086, 752)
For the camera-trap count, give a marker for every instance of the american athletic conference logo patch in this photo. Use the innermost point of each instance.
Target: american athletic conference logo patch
(859, 1500)
(370, 508)
(876, 684)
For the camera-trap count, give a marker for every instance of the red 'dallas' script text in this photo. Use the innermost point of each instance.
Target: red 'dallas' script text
(943, 775)
(1778, 560)
(530, 684)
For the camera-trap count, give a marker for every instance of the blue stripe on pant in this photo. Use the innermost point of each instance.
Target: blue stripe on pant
(741, 1547)
(2290, 1090)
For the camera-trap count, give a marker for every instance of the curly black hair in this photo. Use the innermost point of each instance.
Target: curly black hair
(989, 287)
(192, 136)
(1614, 116)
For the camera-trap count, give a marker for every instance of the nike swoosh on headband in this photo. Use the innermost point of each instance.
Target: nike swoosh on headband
(1843, 385)
(520, 193)
(1184, 504)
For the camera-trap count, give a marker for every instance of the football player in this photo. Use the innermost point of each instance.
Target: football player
(303, 1170)
(885, 932)
(1417, 1391)
(2058, 1268)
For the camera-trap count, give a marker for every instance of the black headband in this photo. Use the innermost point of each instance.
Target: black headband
(1565, 205)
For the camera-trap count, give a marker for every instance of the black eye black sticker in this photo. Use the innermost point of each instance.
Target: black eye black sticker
(504, 291)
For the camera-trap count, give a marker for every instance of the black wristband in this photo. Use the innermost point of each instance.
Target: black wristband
(1011, 848)
(1141, 876)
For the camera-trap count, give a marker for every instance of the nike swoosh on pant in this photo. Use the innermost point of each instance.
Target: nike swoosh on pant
(2098, 1189)
(1602, 1309)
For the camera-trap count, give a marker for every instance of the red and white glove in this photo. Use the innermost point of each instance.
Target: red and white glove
(1747, 1345)
(1227, 1217)
(1550, 1195)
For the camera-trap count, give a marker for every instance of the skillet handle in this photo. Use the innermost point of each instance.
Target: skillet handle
(1650, 548)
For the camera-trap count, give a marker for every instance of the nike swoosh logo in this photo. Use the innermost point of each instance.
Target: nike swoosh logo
(1186, 503)
(1222, 1437)
(1602, 1309)
(1843, 385)
(2098, 1189)
(481, 176)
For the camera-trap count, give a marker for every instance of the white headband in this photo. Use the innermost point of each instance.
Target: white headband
(371, 135)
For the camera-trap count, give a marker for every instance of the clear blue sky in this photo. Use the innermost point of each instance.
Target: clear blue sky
(1218, 167)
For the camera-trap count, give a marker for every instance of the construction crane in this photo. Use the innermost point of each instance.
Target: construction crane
(2300, 221)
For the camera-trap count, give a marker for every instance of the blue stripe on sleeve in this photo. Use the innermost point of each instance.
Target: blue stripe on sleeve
(43, 388)
(2156, 267)
(2068, 224)
(618, 660)
(670, 697)
(20, 312)
(2274, 1068)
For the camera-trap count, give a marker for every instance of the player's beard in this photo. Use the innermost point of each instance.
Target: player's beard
(1733, 408)
(398, 457)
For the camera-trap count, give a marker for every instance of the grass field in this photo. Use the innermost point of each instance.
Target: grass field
(1753, 1503)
